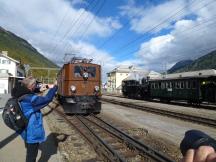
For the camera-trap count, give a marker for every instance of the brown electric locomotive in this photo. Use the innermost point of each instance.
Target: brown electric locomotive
(79, 83)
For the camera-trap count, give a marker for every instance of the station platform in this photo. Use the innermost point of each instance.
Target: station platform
(12, 148)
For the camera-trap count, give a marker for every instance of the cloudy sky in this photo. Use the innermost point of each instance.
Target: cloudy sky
(153, 34)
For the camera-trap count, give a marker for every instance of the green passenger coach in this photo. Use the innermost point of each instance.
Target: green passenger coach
(195, 87)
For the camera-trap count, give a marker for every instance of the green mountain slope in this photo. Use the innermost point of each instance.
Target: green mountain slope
(21, 50)
(207, 61)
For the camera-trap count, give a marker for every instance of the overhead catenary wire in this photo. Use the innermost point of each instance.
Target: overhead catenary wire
(151, 29)
(118, 31)
(92, 20)
(88, 24)
(169, 16)
(188, 29)
(73, 23)
(91, 6)
(183, 31)
(57, 30)
(123, 47)
(128, 23)
(61, 22)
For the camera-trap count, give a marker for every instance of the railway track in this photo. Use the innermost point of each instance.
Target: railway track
(178, 103)
(110, 143)
(188, 117)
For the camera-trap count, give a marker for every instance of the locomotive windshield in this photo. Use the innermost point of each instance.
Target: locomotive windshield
(79, 70)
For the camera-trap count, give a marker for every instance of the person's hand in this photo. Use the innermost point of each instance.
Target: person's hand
(43, 88)
(202, 154)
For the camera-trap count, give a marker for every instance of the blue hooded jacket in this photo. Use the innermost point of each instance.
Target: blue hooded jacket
(31, 105)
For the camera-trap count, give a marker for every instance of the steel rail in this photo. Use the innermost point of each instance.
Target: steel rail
(191, 118)
(107, 153)
(142, 148)
(105, 149)
(116, 155)
(172, 102)
(83, 134)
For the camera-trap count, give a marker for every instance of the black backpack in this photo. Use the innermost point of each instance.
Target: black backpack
(13, 116)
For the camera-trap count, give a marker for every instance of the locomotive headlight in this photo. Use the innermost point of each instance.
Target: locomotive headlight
(85, 75)
(96, 88)
(73, 88)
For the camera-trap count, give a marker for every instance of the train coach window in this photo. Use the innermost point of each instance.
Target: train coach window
(159, 85)
(186, 84)
(162, 85)
(189, 85)
(177, 85)
(170, 85)
(156, 85)
(182, 85)
(166, 85)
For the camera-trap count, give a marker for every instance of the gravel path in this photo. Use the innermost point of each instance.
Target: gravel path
(160, 132)
(72, 146)
(180, 109)
(157, 130)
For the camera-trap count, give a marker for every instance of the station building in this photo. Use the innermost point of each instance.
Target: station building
(118, 74)
(124, 72)
(10, 71)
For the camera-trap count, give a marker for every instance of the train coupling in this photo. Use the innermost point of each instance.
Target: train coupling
(86, 105)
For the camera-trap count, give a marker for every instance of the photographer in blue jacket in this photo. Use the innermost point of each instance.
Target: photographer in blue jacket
(31, 105)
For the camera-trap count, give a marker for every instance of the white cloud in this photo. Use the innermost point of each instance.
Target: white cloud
(37, 17)
(189, 39)
(38, 21)
(154, 51)
(144, 18)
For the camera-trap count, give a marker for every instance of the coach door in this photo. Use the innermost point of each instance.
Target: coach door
(169, 89)
(208, 90)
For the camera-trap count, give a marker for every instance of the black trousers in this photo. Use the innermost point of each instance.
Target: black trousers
(31, 151)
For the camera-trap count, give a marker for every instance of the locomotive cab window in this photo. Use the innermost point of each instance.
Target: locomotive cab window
(79, 70)
(91, 71)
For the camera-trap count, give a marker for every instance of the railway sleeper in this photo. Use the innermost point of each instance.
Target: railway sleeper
(117, 146)
(128, 154)
(110, 140)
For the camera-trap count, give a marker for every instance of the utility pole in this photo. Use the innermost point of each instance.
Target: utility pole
(26, 68)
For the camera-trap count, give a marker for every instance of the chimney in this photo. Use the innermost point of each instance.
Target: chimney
(5, 53)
